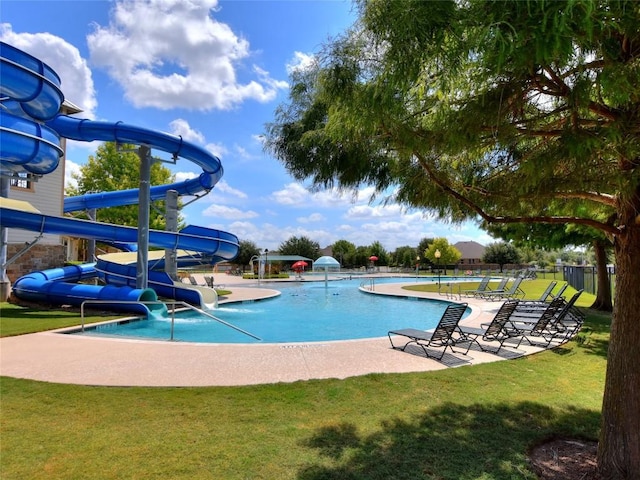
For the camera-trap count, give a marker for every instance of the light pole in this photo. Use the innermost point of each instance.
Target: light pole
(437, 254)
(266, 259)
(417, 266)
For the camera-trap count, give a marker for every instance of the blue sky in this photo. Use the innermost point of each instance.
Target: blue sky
(214, 72)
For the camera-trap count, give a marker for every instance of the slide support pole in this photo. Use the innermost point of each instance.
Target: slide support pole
(144, 201)
(171, 216)
(5, 283)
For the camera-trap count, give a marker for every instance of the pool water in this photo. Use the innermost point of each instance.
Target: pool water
(304, 312)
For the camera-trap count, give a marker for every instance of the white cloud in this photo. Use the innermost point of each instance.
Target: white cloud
(65, 59)
(221, 211)
(224, 187)
(377, 211)
(173, 53)
(181, 176)
(218, 149)
(292, 194)
(295, 194)
(70, 168)
(300, 61)
(313, 218)
(182, 128)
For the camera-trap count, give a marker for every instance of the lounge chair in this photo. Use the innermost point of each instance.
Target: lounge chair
(533, 308)
(500, 288)
(547, 292)
(496, 331)
(528, 308)
(512, 292)
(482, 287)
(560, 291)
(442, 336)
(552, 324)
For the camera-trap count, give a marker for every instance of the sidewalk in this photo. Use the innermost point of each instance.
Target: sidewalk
(52, 357)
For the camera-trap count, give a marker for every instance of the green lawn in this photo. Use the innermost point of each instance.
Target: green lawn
(473, 422)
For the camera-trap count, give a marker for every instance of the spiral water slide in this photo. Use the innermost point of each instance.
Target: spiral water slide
(30, 131)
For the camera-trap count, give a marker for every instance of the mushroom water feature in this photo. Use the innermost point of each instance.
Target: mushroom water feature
(326, 261)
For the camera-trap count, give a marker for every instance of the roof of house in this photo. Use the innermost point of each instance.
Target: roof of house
(470, 249)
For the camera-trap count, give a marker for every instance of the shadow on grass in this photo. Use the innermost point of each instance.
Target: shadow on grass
(448, 442)
(593, 337)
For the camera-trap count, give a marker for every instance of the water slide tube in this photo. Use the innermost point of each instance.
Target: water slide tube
(31, 90)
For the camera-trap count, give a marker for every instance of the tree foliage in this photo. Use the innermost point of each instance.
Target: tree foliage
(405, 257)
(113, 168)
(378, 250)
(246, 251)
(302, 246)
(502, 112)
(501, 253)
(343, 251)
(442, 254)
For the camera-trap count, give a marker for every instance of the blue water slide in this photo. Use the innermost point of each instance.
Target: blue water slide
(54, 286)
(30, 82)
(88, 130)
(204, 240)
(30, 94)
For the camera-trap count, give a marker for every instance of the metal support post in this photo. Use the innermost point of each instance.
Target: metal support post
(171, 216)
(144, 201)
(5, 283)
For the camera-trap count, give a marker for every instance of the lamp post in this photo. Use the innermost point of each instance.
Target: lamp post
(266, 259)
(437, 254)
(417, 266)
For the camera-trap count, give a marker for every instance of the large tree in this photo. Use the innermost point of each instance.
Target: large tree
(247, 251)
(114, 168)
(343, 251)
(440, 253)
(302, 246)
(501, 253)
(503, 112)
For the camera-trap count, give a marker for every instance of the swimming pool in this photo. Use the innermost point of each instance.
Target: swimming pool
(304, 312)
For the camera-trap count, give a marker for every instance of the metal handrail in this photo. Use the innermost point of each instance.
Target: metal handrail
(372, 284)
(173, 311)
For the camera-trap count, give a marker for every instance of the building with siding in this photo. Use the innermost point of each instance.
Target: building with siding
(29, 251)
(472, 253)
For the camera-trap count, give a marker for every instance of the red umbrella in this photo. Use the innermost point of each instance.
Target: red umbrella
(299, 265)
(373, 258)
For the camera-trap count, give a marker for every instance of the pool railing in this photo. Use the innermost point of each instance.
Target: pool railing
(154, 313)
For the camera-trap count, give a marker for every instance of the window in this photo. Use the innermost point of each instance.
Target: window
(22, 181)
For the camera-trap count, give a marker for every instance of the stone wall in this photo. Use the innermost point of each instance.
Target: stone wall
(39, 257)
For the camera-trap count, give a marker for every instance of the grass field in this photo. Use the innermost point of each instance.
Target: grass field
(473, 422)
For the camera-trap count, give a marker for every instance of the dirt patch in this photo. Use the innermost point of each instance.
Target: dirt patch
(565, 459)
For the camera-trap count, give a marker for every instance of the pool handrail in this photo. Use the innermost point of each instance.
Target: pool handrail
(173, 311)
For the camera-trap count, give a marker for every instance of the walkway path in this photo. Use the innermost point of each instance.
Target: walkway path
(51, 357)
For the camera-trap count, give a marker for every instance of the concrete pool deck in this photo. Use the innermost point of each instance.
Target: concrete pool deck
(85, 360)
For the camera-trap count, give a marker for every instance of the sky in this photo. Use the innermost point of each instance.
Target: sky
(214, 72)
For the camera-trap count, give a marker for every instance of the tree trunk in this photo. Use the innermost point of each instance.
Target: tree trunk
(603, 296)
(619, 446)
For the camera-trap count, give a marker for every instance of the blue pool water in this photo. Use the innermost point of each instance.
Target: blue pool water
(304, 312)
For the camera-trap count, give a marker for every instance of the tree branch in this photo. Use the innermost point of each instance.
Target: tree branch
(496, 219)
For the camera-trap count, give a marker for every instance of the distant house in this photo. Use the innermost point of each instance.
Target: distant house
(472, 253)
